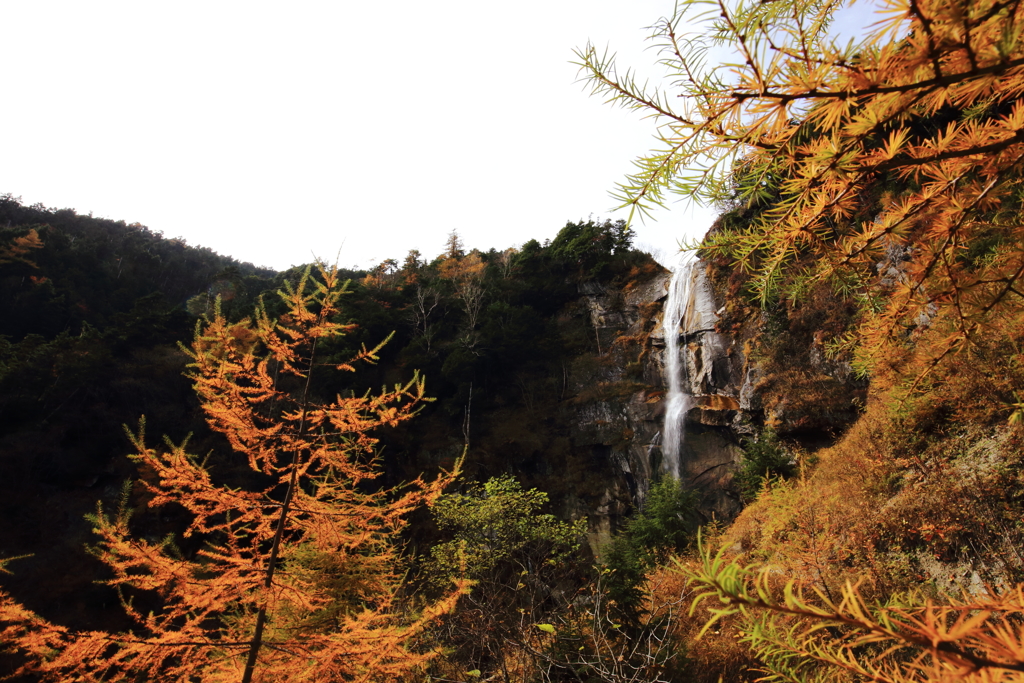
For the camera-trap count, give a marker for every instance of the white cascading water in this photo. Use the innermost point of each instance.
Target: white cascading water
(678, 308)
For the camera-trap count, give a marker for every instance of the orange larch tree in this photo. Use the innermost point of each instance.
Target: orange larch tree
(466, 275)
(905, 145)
(297, 577)
(16, 250)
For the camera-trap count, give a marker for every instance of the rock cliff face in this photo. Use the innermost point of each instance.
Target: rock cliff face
(619, 404)
(617, 409)
(587, 425)
(625, 423)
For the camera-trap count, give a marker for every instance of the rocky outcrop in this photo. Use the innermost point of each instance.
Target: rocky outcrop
(761, 371)
(618, 408)
(616, 411)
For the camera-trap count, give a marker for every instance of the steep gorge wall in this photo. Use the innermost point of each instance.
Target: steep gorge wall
(738, 384)
(628, 324)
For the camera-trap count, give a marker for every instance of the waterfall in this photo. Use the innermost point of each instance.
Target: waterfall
(676, 321)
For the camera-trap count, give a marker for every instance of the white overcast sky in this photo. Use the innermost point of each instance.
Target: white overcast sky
(271, 132)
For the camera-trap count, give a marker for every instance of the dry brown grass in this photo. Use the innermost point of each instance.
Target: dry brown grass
(893, 505)
(717, 653)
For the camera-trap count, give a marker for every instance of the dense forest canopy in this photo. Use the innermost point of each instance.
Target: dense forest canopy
(96, 310)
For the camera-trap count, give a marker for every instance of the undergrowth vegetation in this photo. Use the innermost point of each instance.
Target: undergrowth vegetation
(665, 525)
(893, 555)
(765, 460)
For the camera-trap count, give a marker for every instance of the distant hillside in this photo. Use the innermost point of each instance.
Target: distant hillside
(92, 312)
(89, 270)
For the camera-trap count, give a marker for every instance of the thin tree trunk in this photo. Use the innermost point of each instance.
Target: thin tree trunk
(268, 581)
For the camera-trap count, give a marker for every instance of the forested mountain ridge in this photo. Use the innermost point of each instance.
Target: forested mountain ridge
(506, 341)
(89, 269)
(539, 360)
(545, 363)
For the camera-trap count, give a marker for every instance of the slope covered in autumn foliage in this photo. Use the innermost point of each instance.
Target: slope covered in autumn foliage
(871, 189)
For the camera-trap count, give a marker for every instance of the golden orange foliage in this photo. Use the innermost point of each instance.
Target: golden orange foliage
(886, 519)
(466, 274)
(715, 656)
(385, 276)
(20, 246)
(901, 150)
(297, 575)
(807, 635)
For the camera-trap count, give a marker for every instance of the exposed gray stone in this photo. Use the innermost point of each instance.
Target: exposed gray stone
(626, 430)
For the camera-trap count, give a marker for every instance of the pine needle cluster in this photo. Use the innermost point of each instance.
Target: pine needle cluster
(901, 151)
(806, 635)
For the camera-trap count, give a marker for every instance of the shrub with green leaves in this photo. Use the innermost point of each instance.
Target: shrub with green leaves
(496, 529)
(666, 524)
(763, 460)
(524, 566)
